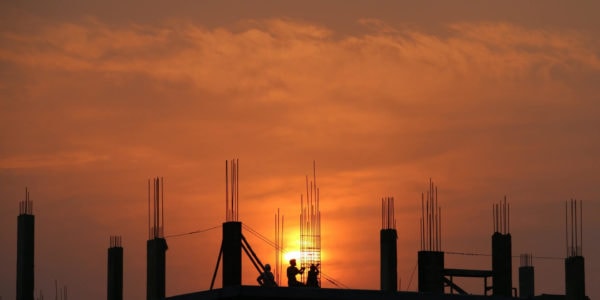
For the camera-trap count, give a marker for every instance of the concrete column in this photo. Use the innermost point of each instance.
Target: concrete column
(575, 278)
(25, 251)
(155, 269)
(431, 271)
(389, 260)
(115, 273)
(232, 254)
(501, 265)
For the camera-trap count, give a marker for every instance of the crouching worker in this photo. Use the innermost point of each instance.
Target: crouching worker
(266, 278)
(312, 279)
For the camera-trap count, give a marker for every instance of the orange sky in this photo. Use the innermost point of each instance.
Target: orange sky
(487, 98)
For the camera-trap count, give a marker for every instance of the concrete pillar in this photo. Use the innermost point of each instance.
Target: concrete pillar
(526, 282)
(389, 260)
(115, 273)
(574, 278)
(431, 271)
(232, 254)
(501, 265)
(156, 267)
(25, 251)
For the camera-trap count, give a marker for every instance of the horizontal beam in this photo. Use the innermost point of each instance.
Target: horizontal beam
(467, 273)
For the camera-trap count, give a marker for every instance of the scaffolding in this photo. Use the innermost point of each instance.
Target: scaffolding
(310, 227)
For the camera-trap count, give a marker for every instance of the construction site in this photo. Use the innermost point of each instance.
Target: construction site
(435, 280)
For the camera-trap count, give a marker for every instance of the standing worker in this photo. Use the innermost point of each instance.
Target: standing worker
(292, 271)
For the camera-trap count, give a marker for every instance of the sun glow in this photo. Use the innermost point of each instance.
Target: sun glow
(291, 254)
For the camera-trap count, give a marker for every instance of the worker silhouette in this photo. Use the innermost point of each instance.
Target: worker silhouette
(312, 279)
(292, 271)
(266, 278)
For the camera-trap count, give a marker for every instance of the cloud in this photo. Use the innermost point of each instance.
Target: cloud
(188, 50)
(51, 160)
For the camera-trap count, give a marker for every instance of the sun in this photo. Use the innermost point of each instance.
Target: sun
(291, 254)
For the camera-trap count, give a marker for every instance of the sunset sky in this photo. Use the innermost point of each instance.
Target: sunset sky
(487, 98)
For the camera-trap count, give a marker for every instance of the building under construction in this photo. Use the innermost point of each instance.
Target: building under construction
(435, 280)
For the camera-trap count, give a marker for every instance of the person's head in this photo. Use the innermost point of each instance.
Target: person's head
(293, 262)
(267, 267)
